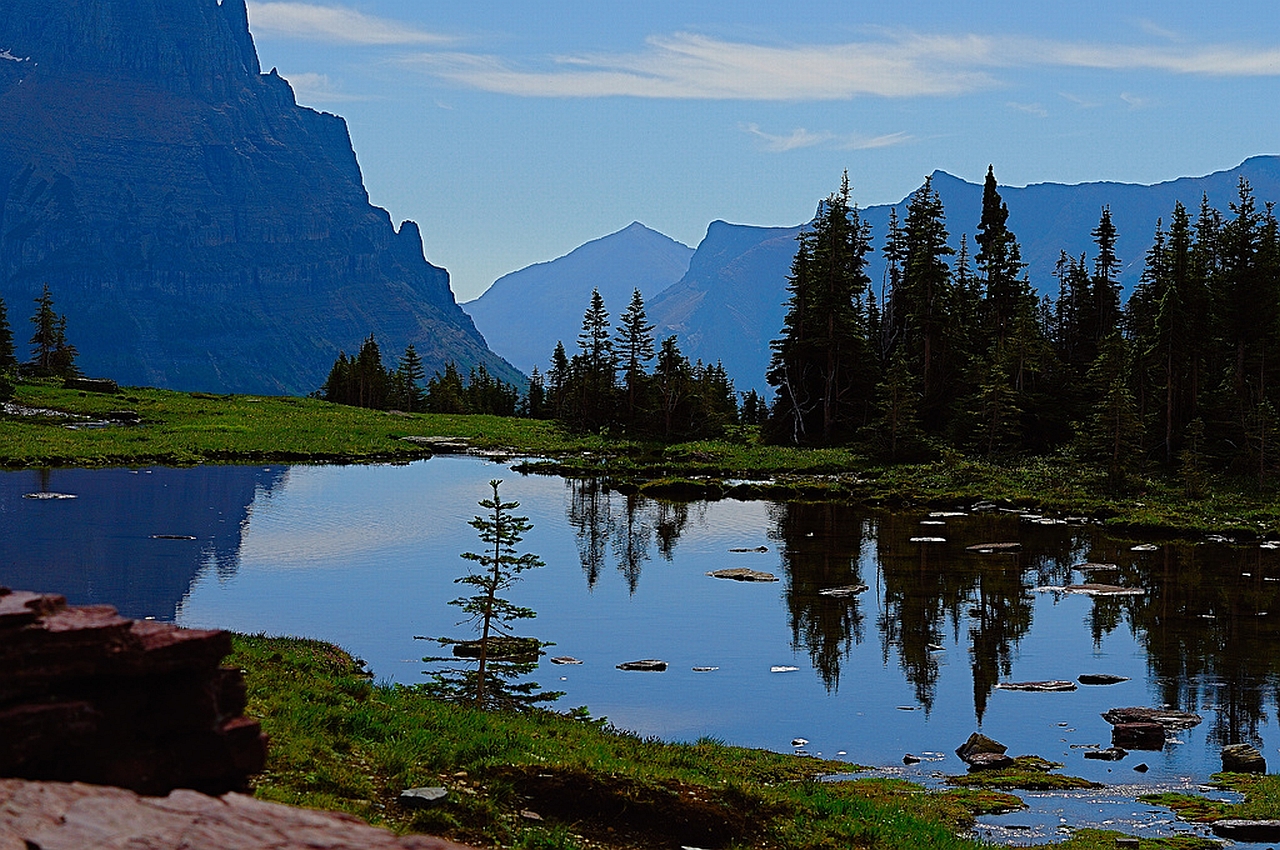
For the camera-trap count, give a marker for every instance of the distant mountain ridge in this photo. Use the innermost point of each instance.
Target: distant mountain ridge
(198, 228)
(524, 313)
(730, 302)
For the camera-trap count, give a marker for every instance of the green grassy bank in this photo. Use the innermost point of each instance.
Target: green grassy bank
(542, 781)
(190, 428)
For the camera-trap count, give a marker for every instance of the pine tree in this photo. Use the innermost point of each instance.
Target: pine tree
(8, 357)
(999, 260)
(634, 346)
(534, 405)
(822, 365)
(409, 374)
(501, 657)
(44, 342)
(1105, 286)
(924, 299)
(673, 382)
(445, 392)
(598, 373)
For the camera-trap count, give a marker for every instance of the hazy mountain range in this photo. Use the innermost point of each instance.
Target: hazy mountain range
(728, 301)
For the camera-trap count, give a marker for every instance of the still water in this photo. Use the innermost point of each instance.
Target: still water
(365, 556)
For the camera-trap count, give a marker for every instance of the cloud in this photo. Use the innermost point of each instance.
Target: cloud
(335, 24)
(1082, 102)
(1220, 61)
(685, 66)
(802, 138)
(1134, 101)
(895, 65)
(1035, 109)
(310, 87)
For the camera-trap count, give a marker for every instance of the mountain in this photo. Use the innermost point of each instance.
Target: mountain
(723, 308)
(524, 313)
(198, 228)
(731, 302)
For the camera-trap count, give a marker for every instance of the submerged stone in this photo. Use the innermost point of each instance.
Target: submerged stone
(743, 574)
(650, 665)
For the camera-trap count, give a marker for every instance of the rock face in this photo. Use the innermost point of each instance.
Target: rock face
(90, 696)
(198, 228)
(61, 816)
(1242, 758)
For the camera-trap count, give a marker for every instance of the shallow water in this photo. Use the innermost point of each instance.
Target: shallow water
(365, 556)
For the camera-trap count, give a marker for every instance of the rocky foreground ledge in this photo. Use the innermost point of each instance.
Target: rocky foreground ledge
(138, 708)
(74, 816)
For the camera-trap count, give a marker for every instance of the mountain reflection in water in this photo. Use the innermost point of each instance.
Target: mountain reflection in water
(366, 557)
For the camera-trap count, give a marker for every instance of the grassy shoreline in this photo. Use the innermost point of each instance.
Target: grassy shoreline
(191, 428)
(547, 781)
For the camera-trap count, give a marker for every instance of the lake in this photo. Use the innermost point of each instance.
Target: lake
(366, 557)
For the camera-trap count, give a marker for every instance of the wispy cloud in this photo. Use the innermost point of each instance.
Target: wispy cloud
(335, 24)
(1082, 102)
(1134, 101)
(697, 67)
(1212, 61)
(802, 138)
(1035, 109)
(895, 65)
(310, 88)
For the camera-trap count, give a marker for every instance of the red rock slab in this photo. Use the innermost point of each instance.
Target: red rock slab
(74, 816)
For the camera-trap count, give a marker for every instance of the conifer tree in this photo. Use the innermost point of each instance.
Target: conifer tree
(44, 342)
(8, 357)
(597, 373)
(924, 300)
(673, 382)
(409, 375)
(634, 346)
(446, 392)
(501, 657)
(999, 260)
(821, 366)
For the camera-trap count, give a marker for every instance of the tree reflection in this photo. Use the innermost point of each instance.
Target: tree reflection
(822, 548)
(625, 526)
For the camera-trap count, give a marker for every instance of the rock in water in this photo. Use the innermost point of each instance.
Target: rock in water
(1049, 686)
(979, 745)
(1242, 758)
(650, 665)
(198, 228)
(743, 574)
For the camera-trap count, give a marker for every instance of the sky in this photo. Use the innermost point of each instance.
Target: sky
(515, 131)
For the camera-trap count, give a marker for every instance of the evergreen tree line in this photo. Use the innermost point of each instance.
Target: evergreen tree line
(958, 351)
(363, 381)
(52, 356)
(609, 384)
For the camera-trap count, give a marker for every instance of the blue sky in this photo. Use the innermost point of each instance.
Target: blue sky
(513, 132)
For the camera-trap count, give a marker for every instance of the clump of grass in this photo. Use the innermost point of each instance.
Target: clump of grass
(1261, 799)
(1028, 773)
(341, 742)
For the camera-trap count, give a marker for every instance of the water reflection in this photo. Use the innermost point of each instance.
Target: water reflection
(135, 539)
(367, 556)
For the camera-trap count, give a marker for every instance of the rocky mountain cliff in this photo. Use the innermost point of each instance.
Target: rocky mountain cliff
(198, 228)
(527, 311)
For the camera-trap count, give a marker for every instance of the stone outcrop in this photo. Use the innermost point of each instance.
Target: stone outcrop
(88, 695)
(1242, 758)
(198, 228)
(73, 816)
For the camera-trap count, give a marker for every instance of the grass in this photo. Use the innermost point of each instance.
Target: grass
(1027, 773)
(1261, 799)
(190, 428)
(340, 742)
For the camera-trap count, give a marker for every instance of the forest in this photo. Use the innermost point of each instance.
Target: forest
(953, 352)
